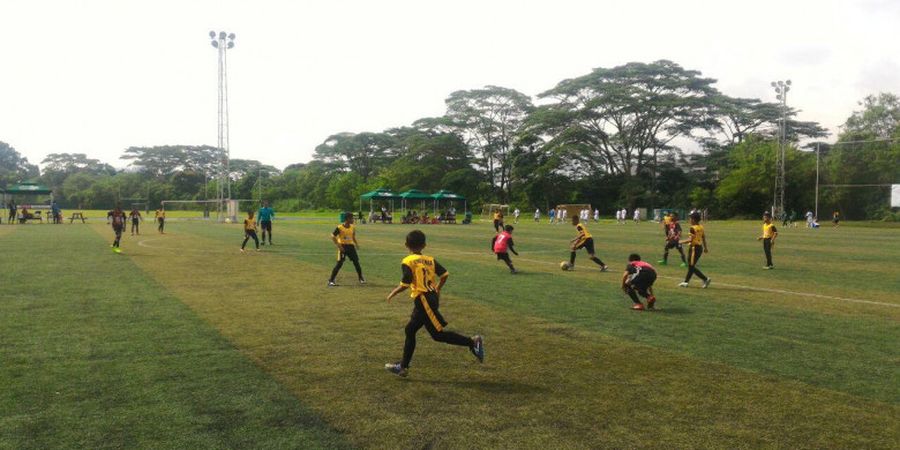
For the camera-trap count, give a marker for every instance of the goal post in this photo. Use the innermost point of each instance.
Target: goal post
(573, 210)
(488, 209)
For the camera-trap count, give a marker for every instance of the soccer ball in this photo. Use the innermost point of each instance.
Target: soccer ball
(228, 220)
(564, 265)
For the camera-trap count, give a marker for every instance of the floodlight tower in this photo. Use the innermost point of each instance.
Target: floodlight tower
(781, 89)
(223, 42)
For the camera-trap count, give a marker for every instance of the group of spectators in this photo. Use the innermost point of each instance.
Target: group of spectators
(22, 215)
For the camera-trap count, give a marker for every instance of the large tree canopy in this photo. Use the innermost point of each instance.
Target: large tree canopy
(13, 166)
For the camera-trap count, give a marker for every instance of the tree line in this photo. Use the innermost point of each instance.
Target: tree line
(636, 135)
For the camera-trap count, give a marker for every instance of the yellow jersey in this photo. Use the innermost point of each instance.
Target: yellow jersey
(697, 233)
(160, 214)
(420, 274)
(250, 224)
(667, 219)
(345, 234)
(768, 230)
(583, 232)
(498, 215)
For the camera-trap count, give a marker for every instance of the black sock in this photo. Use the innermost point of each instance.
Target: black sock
(597, 260)
(572, 258)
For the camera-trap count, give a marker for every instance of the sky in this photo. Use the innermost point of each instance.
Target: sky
(96, 77)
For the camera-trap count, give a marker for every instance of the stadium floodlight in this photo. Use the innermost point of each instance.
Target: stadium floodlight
(222, 42)
(781, 89)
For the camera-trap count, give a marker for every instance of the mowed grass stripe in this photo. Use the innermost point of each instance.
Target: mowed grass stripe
(95, 354)
(853, 352)
(545, 384)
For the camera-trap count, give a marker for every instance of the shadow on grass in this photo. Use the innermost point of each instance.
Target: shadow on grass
(494, 387)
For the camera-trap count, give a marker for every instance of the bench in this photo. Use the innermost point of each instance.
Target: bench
(77, 215)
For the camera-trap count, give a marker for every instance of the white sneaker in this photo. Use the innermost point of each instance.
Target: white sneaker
(706, 283)
(683, 284)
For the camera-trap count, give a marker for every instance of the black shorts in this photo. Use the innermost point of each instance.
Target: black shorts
(587, 244)
(643, 280)
(426, 312)
(503, 256)
(134, 221)
(498, 223)
(348, 251)
(266, 225)
(673, 244)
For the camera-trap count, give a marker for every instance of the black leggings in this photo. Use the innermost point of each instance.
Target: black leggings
(695, 252)
(675, 245)
(420, 319)
(135, 226)
(348, 251)
(162, 224)
(250, 234)
(767, 248)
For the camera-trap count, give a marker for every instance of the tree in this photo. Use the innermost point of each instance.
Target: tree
(165, 160)
(489, 121)
(616, 120)
(879, 118)
(739, 117)
(363, 153)
(13, 166)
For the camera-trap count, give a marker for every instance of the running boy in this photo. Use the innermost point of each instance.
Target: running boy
(250, 231)
(585, 241)
(498, 221)
(698, 247)
(673, 239)
(264, 217)
(344, 237)
(420, 275)
(117, 217)
(502, 244)
(769, 233)
(638, 279)
(136, 218)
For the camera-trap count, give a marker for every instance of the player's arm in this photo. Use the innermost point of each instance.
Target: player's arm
(774, 235)
(404, 282)
(334, 238)
(705, 245)
(493, 241)
(442, 274)
(511, 248)
(625, 280)
(355, 243)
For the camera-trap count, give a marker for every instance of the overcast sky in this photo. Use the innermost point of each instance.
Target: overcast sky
(96, 77)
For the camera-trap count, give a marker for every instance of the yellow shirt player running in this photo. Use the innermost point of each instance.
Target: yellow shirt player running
(698, 246)
(498, 221)
(250, 231)
(425, 277)
(586, 241)
(344, 237)
(769, 233)
(161, 219)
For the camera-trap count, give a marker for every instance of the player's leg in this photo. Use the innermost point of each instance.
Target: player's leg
(416, 322)
(269, 229)
(505, 258)
(589, 246)
(767, 248)
(681, 252)
(350, 250)
(246, 238)
(665, 258)
(337, 268)
(255, 238)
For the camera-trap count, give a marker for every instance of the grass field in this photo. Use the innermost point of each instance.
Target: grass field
(181, 341)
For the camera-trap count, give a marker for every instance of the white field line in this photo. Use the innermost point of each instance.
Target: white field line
(144, 243)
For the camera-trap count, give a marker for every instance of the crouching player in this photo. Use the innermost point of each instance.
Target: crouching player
(424, 277)
(638, 278)
(502, 244)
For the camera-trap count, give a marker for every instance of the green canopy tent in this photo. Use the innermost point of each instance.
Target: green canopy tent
(378, 194)
(449, 197)
(28, 189)
(413, 194)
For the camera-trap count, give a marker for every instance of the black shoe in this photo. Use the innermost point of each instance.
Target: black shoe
(396, 369)
(477, 348)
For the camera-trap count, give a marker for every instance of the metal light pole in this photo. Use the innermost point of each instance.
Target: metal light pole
(781, 88)
(223, 42)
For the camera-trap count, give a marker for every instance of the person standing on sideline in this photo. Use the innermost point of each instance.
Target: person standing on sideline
(637, 215)
(809, 219)
(264, 217)
(596, 215)
(769, 233)
(136, 219)
(12, 213)
(250, 231)
(344, 237)
(552, 215)
(516, 216)
(537, 215)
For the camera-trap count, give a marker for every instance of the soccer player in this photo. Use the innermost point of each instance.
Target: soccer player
(698, 246)
(637, 215)
(673, 239)
(769, 233)
(552, 214)
(498, 221)
(136, 218)
(638, 279)
(836, 219)
(425, 277)
(264, 217)
(117, 217)
(250, 231)
(596, 215)
(344, 237)
(502, 244)
(585, 241)
(537, 215)
(161, 219)
(516, 216)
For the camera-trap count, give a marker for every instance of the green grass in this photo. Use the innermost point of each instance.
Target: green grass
(199, 333)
